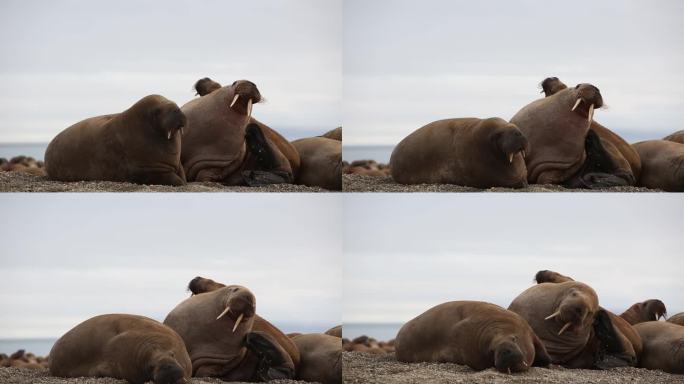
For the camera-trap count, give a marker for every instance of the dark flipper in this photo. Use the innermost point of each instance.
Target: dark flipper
(612, 353)
(599, 169)
(258, 178)
(274, 362)
(259, 148)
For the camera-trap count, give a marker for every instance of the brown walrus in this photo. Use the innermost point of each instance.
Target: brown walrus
(477, 334)
(321, 358)
(625, 157)
(335, 134)
(576, 332)
(128, 347)
(649, 310)
(321, 162)
(206, 85)
(677, 137)
(335, 331)
(662, 165)
(479, 153)
(225, 146)
(564, 149)
(141, 144)
(226, 339)
(663, 346)
(677, 319)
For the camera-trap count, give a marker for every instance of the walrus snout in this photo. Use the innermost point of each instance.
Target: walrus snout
(509, 358)
(168, 373)
(512, 142)
(240, 304)
(589, 97)
(245, 94)
(172, 121)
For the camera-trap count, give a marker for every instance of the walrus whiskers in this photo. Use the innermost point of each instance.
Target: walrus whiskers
(237, 322)
(234, 100)
(223, 313)
(576, 104)
(551, 316)
(568, 324)
(591, 113)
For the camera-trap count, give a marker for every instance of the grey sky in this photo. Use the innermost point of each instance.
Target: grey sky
(66, 258)
(67, 60)
(407, 63)
(404, 253)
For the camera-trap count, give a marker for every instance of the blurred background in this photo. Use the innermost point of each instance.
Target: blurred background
(67, 60)
(405, 253)
(65, 259)
(408, 63)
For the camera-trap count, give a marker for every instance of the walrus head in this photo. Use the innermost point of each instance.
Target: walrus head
(168, 372)
(547, 276)
(244, 94)
(575, 312)
(649, 310)
(509, 358)
(205, 86)
(202, 284)
(551, 85)
(239, 305)
(510, 141)
(168, 120)
(587, 99)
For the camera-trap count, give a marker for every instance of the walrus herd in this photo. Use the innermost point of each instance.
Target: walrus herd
(552, 140)
(557, 321)
(215, 332)
(212, 138)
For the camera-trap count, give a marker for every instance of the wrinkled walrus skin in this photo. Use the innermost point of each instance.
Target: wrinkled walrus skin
(321, 164)
(141, 145)
(128, 347)
(255, 350)
(321, 358)
(477, 334)
(480, 153)
(663, 346)
(662, 165)
(625, 158)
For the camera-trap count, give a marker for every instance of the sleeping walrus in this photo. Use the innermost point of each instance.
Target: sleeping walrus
(663, 346)
(128, 347)
(141, 145)
(662, 165)
(321, 358)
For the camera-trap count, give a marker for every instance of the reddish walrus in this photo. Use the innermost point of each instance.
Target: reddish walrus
(225, 338)
(321, 358)
(480, 153)
(663, 346)
(649, 310)
(564, 149)
(224, 145)
(206, 85)
(677, 319)
(576, 332)
(128, 347)
(662, 165)
(626, 160)
(141, 145)
(477, 334)
(677, 137)
(321, 164)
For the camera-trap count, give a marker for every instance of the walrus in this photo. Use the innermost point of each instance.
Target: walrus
(321, 162)
(335, 331)
(128, 347)
(477, 334)
(565, 150)
(624, 156)
(677, 137)
(206, 85)
(663, 346)
(141, 145)
(677, 319)
(473, 152)
(225, 146)
(321, 358)
(649, 310)
(335, 134)
(662, 165)
(226, 339)
(576, 332)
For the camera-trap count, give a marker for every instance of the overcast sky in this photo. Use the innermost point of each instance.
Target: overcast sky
(66, 259)
(405, 253)
(67, 60)
(408, 63)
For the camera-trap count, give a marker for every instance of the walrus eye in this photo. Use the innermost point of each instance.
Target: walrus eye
(234, 82)
(577, 86)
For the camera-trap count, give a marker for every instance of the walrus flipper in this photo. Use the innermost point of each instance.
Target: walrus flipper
(265, 169)
(599, 169)
(274, 362)
(612, 353)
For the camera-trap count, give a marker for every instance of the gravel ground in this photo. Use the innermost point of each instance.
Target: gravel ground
(23, 182)
(362, 367)
(30, 376)
(363, 183)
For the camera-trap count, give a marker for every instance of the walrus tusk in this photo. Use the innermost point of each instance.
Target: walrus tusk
(551, 316)
(525, 364)
(168, 136)
(576, 104)
(249, 108)
(510, 157)
(237, 322)
(591, 113)
(568, 324)
(234, 100)
(509, 370)
(523, 153)
(182, 131)
(223, 313)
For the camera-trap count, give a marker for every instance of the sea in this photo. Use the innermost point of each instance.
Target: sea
(379, 153)
(378, 331)
(35, 150)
